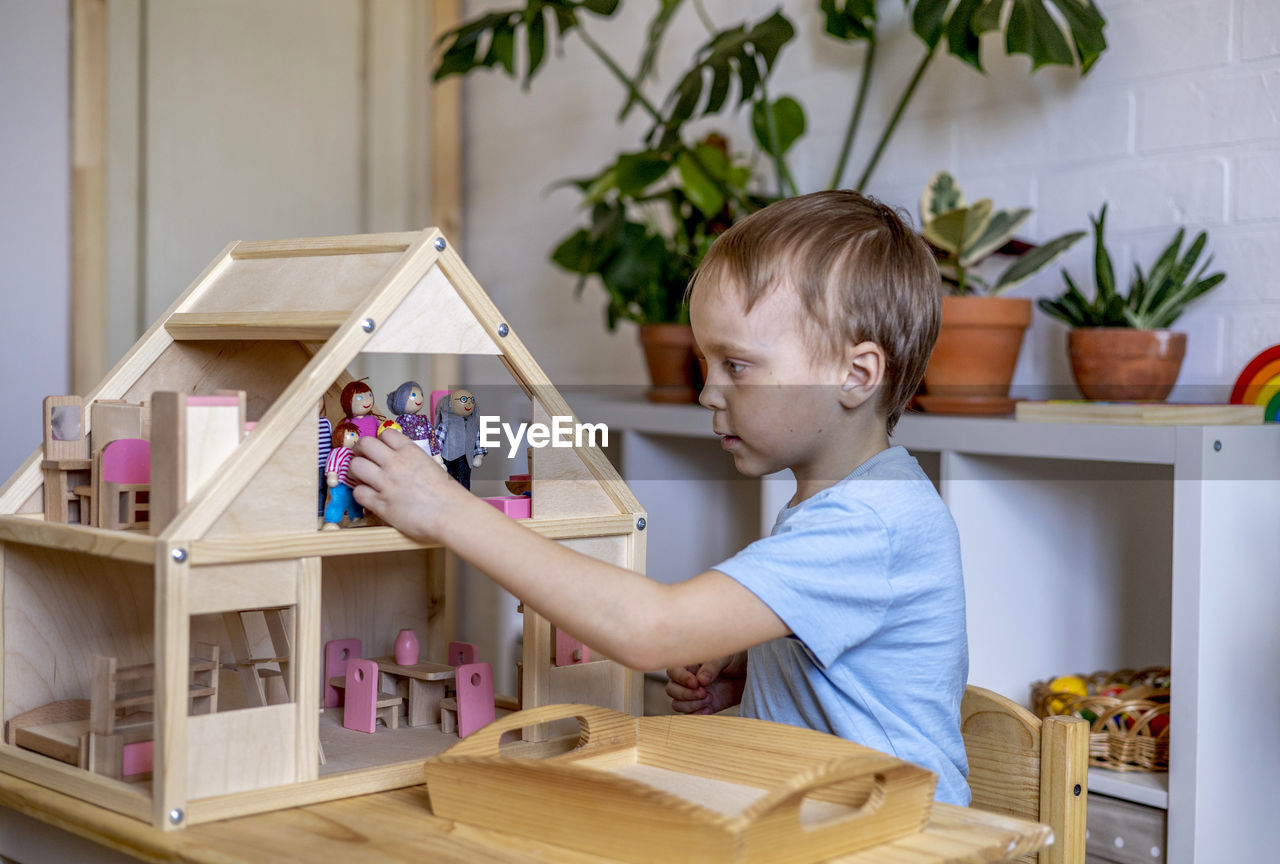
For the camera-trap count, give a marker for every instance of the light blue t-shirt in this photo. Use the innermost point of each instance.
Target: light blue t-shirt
(867, 576)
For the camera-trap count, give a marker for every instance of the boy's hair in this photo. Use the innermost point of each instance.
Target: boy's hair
(861, 273)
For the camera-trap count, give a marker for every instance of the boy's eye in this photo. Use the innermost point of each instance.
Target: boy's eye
(734, 367)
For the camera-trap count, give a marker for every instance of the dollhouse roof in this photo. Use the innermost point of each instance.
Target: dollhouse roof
(283, 320)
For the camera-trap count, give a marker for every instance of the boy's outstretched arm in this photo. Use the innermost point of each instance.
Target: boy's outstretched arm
(638, 622)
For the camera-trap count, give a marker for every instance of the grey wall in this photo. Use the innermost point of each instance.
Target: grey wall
(34, 217)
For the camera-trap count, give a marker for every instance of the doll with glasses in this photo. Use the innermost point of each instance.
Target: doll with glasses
(458, 435)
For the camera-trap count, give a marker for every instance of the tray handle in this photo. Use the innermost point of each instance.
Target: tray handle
(896, 791)
(598, 728)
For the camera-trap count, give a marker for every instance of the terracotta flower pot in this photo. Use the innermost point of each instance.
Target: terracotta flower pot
(1119, 364)
(977, 349)
(673, 368)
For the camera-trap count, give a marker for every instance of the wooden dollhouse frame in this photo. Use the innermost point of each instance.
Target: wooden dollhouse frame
(280, 321)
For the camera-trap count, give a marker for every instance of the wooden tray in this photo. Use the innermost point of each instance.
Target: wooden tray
(705, 789)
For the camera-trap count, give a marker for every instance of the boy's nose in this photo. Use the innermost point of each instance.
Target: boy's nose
(711, 397)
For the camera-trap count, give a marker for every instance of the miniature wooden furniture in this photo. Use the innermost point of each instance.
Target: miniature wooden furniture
(66, 462)
(713, 789)
(365, 702)
(122, 471)
(463, 652)
(121, 709)
(233, 527)
(254, 671)
(570, 651)
(55, 730)
(471, 707)
(426, 682)
(337, 652)
(1023, 766)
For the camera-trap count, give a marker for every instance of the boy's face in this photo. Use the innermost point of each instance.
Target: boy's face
(771, 390)
(349, 438)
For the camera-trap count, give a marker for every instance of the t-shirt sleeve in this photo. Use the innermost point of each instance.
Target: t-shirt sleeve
(825, 574)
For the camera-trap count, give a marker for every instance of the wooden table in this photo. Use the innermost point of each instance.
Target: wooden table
(427, 682)
(398, 826)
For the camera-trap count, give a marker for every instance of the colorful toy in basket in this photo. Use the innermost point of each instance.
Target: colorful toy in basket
(1127, 710)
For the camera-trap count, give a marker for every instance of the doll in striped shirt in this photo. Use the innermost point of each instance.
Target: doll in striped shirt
(341, 501)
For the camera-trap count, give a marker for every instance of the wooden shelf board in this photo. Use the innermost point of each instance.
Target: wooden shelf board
(359, 541)
(1140, 787)
(118, 545)
(302, 326)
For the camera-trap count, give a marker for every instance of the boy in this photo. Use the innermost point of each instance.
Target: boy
(816, 317)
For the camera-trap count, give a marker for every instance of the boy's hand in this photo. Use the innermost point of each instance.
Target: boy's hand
(398, 482)
(705, 688)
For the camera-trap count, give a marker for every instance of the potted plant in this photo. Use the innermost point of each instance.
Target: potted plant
(652, 211)
(981, 335)
(1120, 346)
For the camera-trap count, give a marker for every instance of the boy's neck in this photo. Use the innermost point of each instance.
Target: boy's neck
(862, 437)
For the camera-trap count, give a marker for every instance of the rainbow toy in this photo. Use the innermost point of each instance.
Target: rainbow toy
(1259, 383)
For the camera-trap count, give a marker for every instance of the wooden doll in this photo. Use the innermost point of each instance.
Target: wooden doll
(406, 403)
(357, 406)
(458, 434)
(341, 500)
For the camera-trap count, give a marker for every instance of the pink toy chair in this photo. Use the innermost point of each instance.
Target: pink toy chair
(462, 652)
(364, 704)
(124, 484)
(337, 653)
(472, 709)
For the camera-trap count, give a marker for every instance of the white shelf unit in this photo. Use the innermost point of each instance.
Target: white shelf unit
(1085, 547)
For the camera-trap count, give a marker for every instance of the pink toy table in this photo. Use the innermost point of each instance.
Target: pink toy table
(427, 682)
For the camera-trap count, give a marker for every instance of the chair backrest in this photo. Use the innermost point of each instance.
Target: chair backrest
(126, 460)
(1023, 766)
(337, 653)
(360, 705)
(474, 682)
(462, 652)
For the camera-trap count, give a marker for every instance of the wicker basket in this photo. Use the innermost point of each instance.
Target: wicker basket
(1128, 714)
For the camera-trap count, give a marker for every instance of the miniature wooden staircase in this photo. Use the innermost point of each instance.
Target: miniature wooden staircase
(251, 669)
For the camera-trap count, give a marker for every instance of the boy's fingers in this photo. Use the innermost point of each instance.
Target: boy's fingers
(394, 439)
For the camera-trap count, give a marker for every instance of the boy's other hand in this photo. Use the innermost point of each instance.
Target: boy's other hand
(708, 687)
(398, 481)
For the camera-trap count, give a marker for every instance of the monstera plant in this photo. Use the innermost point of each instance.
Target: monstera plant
(652, 210)
(977, 349)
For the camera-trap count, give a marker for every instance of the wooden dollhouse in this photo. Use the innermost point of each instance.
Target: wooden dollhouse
(205, 543)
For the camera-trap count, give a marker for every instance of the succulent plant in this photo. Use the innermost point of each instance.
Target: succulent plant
(965, 235)
(1154, 300)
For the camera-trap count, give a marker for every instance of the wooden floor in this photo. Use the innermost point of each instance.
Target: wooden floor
(346, 750)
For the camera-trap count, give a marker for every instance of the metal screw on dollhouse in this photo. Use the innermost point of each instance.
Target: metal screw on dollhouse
(367, 325)
(179, 555)
(640, 523)
(440, 244)
(1217, 446)
(502, 330)
(175, 815)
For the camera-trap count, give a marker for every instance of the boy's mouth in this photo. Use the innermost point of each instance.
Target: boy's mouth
(728, 442)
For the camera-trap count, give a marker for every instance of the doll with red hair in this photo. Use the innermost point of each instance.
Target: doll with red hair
(357, 408)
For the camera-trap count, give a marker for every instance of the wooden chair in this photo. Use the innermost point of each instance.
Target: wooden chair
(66, 462)
(472, 707)
(1023, 766)
(365, 704)
(122, 484)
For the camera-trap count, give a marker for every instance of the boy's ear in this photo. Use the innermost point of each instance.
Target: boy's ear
(863, 371)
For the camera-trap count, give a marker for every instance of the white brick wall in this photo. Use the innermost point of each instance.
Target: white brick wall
(1179, 124)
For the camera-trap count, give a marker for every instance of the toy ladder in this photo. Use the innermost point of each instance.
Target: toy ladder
(251, 669)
